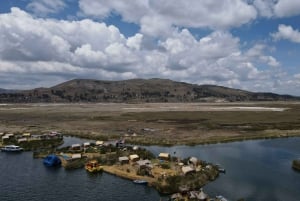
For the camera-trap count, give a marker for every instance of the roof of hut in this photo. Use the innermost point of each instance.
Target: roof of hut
(164, 155)
(133, 156)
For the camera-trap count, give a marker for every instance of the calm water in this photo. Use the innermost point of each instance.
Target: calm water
(24, 178)
(255, 170)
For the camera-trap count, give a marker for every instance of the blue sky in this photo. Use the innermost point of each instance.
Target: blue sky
(245, 44)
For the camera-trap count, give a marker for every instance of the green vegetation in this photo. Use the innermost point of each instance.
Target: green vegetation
(165, 166)
(38, 144)
(296, 164)
(190, 181)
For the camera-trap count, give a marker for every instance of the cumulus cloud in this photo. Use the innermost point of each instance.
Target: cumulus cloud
(47, 51)
(131, 11)
(277, 8)
(288, 33)
(157, 17)
(265, 7)
(257, 53)
(286, 8)
(45, 7)
(297, 76)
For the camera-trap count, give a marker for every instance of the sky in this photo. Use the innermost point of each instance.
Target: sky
(245, 44)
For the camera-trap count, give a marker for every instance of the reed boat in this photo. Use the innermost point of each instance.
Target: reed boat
(93, 166)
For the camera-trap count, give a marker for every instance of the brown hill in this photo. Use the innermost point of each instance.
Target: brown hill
(136, 91)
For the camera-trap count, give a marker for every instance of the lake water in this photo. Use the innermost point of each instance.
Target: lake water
(255, 170)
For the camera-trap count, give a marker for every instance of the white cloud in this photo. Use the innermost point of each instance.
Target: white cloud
(297, 77)
(271, 61)
(46, 51)
(157, 17)
(265, 7)
(131, 11)
(277, 8)
(286, 8)
(257, 54)
(135, 41)
(287, 33)
(87, 56)
(45, 7)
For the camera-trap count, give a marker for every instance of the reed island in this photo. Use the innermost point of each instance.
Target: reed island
(165, 172)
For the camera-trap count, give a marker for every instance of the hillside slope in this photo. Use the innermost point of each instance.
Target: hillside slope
(136, 91)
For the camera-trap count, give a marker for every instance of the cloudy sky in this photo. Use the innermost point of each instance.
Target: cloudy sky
(245, 44)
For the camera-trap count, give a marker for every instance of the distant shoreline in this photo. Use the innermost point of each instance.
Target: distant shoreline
(204, 142)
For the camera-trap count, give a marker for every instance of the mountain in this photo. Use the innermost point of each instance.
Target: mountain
(2, 91)
(136, 91)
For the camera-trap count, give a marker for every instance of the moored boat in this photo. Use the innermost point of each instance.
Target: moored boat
(52, 160)
(11, 148)
(221, 198)
(93, 166)
(138, 181)
(222, 170)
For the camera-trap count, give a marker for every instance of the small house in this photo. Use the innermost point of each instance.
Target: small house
(164, 156)
(193, 160)
(55, 134)
(123, 160)
(36, 137)
(184, 189)
(208, 167)
(76, 156)
(76, 147)
(99, 143)
(196, 195)
(5, 138)
(202, 196)
(26, 135)
(187, 170)
(86, 144)
(176, 196)
(134, 157)
(20, 140)
(10, 135)
(144, 164)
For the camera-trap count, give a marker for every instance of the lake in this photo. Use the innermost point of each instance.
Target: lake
(255, 170)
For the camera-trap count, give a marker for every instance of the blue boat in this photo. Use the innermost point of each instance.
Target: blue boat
(52, 160)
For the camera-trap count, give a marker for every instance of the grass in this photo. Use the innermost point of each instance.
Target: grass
(187, 124)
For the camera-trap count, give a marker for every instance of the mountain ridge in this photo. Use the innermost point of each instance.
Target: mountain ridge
(137, 91)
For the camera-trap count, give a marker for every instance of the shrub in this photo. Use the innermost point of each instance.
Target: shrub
(165, 166)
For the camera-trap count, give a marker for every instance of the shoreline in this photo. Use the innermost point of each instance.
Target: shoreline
(216, 140)
(264, 135)
(122, 174)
